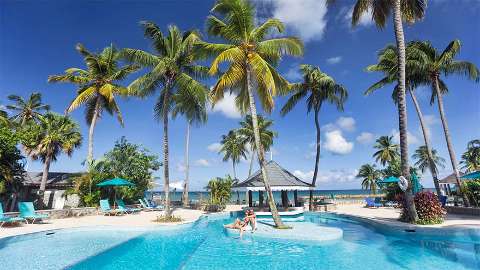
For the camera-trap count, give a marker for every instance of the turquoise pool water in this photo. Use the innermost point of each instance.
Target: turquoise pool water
(205, 245)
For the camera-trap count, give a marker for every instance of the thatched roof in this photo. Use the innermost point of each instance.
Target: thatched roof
(449, 179)
(54, 179)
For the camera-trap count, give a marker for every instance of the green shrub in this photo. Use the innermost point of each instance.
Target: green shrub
(472, 190)
(429, 208)
(166, 219)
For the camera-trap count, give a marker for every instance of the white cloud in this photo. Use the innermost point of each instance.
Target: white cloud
(214, 147)
(293, 74)
(305, 176)
(365, 138)
(332, 176)
(202, 163)
(176, 185)
(412, 139)
(336, 143)
(180, 167)
(304, 17)
(334, 60)
(365, 19)
(429, 121)
(346, 123)
(227, 106)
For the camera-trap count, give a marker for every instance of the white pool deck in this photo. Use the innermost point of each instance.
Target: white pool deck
(387, 216)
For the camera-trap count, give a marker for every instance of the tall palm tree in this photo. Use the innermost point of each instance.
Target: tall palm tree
(435, 63)
(193, 107)
(320, 88)
(233, 148)
(246, 131)
(387, 150)
(27, 110)
(97, 86)
(3, 117)
(425, 159)
(251, 58)
(388, 65)
(410, 11)
(52, 135)
(172, 69)
(369, 175)
(471, 157)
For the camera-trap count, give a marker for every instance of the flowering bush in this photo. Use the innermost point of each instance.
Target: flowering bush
(429, 208)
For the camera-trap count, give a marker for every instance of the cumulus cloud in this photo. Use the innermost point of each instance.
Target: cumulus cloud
(227, 107)
(180, 167)
(202, 163)
(333, 176)
(334, 60)
(293, 74)
(429, 120)
(335, 143)
(365, 19)
(306, 176)
(176, 185)
(214, 147)
(412, 139)
(365, 138)
(346, 123)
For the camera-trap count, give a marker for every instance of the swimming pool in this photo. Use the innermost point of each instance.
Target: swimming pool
(205, 245)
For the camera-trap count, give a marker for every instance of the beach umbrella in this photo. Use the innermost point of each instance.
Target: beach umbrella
(115, 182)
(473, 175)
(388, 180)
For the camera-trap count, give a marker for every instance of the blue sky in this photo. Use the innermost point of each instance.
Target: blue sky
(37, 39)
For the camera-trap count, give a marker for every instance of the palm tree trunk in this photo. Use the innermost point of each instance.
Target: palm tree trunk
(43, 183)
(251, 162)
(451, 152)
(260, 153)
(317, 157)
(402, 109)
(166, 183)
(187, 166)
(234, 171)
(90, 131)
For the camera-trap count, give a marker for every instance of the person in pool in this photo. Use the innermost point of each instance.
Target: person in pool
(238, 225)
(251, 218)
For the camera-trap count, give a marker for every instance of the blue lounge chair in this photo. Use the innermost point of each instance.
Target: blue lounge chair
(146, 207)
(371, 203)
(107, 211)
(27, 211)
(151, 205)
(121, 205)
(4, 219)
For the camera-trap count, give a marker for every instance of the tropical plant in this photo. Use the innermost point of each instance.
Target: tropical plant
(472, 189)
(4, 121)
(435, 63)
(220, 190)
(251, 58)
(52, 135)
(233, 148)
(388, 65)
(172, 69)
(387, 150)
(320, 88)
(26, 110)
(471, 157)
(429, 208)
(97, 86)
(410, 11)
(193, 106)
(246, 131)
(369, 175)
(425, 159)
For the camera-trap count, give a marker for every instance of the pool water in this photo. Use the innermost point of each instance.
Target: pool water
(205, 245)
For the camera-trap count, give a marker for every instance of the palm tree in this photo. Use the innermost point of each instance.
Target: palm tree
(97, 86)
(425, 159)
(369, 175)
(52, 135)
(193, 107)
(411, 11)
(252, 58)
(3, 117)
(388, 65)
(320, 88)
(172, 69)
(27, 110)
(471, 157)
(387, 151)
(434, 64)
(233, 148)
(246, 131)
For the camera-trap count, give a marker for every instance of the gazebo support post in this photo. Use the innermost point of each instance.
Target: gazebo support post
(250, 199)
(260, 199)
(295, 198)
(284, 198)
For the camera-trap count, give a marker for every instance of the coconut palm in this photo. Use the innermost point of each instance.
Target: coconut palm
(434, 64)
(27, 110)
(246, 130)
(233, 148)
(97, 86)
(172, 69)
(410, 11)
(471, 157)
(4, 117)
(320, 88)
(369, 175)
(388, 65)
(387, 150)
(251, 57)
(192, 106)
(425, 159)
(52, 135)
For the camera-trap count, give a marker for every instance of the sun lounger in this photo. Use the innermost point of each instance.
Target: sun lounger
(107, 211)
(27, 211)
(121, 205)
(4, 219)
(146, 207)
(371, 203)
(151, 205)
